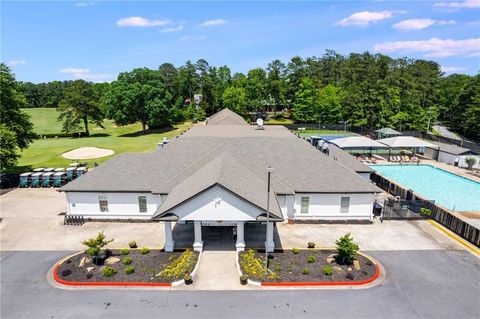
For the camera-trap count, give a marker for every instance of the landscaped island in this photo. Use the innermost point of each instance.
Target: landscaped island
(126, 265)
(156, 266)
(343, 265)
(299, 266)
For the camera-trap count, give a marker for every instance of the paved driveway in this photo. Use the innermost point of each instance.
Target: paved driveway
(419, 284)
(32, 221)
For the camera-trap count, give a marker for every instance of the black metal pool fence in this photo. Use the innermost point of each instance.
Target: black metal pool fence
(439, 214)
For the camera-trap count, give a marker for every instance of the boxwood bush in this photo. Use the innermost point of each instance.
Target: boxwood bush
(327, 270)
(127, 260)
(129, 270)
(109, 271)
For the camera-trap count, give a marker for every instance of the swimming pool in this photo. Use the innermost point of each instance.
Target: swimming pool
(447, 189)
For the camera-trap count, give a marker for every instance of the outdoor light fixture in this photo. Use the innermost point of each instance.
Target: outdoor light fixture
(269, 172)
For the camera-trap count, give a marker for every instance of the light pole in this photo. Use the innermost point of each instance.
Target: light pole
(269, 172)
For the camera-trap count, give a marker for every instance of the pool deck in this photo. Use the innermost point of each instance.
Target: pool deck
(471, 217)
(473, 174)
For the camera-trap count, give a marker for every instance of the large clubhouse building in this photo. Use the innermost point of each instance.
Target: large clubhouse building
(216, 175)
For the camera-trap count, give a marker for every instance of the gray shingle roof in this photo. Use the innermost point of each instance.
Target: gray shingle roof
(453, 149)
(234, 157)
(298, 166)
(227, 172)
(226, 117)
(347, 160)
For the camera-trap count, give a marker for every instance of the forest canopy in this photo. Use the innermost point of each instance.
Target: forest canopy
(366, 90)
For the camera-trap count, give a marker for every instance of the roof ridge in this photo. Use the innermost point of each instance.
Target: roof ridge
(256, 165)
(193, 163)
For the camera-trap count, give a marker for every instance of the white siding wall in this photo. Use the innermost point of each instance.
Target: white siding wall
(216, 204)
(447, 158)
(327, 207)
(120, 205)
(286, 205)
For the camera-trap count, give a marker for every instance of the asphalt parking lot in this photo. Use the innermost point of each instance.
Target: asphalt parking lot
(418, 284)
(428, 275)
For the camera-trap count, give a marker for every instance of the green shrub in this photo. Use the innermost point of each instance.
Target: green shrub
(327, 270)
(180, 266)
(109, 271)
(124, 251)
(132, 244)
(144, 250)
(311, 259)
(95, 245)
(295, 250)
(129, 270)
(311, 244)
(127, 260)
(306, 271)
(425, 211)
(346, 249)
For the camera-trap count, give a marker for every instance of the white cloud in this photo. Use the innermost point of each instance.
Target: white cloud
(16, 62)
(173, 29)
(85, 74)
(192, 38)
(85, 4)
(419, 24)
(433, 47)
(141, 22)
(452, 69)
(474, 24)
(470, 4)
(365, 18)
(210, 23)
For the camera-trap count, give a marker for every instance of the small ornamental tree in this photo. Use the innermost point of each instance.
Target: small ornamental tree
(470, 162)
(346, 249)
(95, 245)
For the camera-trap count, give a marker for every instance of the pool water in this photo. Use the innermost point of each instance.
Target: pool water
(448, 190)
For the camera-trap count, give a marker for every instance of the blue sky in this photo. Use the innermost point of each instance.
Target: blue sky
(59, 40)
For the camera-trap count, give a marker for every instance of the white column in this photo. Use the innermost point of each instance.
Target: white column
(269, 245)
(198, 243)
(169, 243)
(240, 236)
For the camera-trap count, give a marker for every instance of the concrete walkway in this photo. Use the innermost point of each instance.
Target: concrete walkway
(218, 271)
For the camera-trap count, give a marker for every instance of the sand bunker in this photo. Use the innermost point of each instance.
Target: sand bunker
(87, 153)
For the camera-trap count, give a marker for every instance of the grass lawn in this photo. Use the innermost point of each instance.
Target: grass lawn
(48, 152)
(279, 121)
(44, 120)
(308, 133)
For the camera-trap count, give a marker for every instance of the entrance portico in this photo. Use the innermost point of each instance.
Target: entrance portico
(219, 235)
(217, 207)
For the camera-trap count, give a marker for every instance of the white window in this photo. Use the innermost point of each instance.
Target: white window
(344, 205)
(304, 204)
(103, 202)
(142, 204)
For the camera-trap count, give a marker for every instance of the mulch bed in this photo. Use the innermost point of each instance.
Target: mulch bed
(146, 266)
(289, 267)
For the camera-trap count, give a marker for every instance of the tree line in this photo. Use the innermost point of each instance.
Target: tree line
(363, 89)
